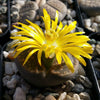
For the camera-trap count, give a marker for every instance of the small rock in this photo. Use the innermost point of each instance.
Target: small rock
(0, 31)
(28, 11)
(84, 96)
(76, 97)
(51, 6)
(6, 79)
(70, 1)
(12, 83)
(94, 25)
(41, 3)
(19, 94)
(64, 22)
(97, 19)
(78, 88)
(81, 71)
(69, 98)
(96, 64)
(69, 85)
(84, 80)
(87, 22)
(15, 16)
(38, 22)
(8, 68)
(68, 11)
(98, 48)
(62, 96)
(50, 97)
(73, 13)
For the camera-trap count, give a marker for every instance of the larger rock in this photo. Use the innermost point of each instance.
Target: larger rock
(91, 7)
(51, 6)
(28, 11)
(19, 94)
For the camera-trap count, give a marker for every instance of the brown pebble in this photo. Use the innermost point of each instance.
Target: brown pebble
(50, 97)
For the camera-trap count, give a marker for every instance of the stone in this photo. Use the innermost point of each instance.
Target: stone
(5, 54)
(84, 96)
(94, 25)
(12, 83)
(15, 16)
(70, 1)
(3, 9)
(98, 48)
(28, 11)
(84, 80)
(6, 79)
(78, 88)
(19, 94)
(76, 97)
(64, 22)
(51, 6)
(50, 97)
(69, 98)
(87, 22)
(15, 70)
(8, 68)
(0, 31)
(81, 70)
(38, 22)
(69, 85)
(96, 64)
(73, 13)
(41, 2)
(62, 96)
(97, 19)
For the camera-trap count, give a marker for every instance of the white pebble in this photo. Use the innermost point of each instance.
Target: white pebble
(97, 19)
(62, 96)
(6, 79)
(76, 97)
(19, 94)
(12, 83)
(10, 68)
(87, 22)
(5, 54)
(70, 1)
(42, 2)
(68, 11)
(94, 25)
(73, 13)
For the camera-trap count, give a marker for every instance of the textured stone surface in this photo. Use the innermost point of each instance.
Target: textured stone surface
(28, 11)
(51, 6)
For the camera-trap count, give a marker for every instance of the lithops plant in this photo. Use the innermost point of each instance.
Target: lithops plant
(49, 57)
(91, 7)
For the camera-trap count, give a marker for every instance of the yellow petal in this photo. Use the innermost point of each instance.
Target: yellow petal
(29, 55)
(58, 57)
(59, 27)
(39, 56)
(68, 62)
(77, 51)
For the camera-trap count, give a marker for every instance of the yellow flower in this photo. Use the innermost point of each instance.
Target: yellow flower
(55, 41)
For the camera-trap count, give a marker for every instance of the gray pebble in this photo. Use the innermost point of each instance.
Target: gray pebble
(51, 6)
(73, 13)
(84, 96)
(19, 94)
(84, 80)
(62, 96)
(70, 1)
(6, 79)
(69, 85)
(87, 22)
(78, 88)
(97, 19)
(12, 83)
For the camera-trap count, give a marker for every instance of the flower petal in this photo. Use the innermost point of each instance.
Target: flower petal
(29, 55)
(68, 62)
